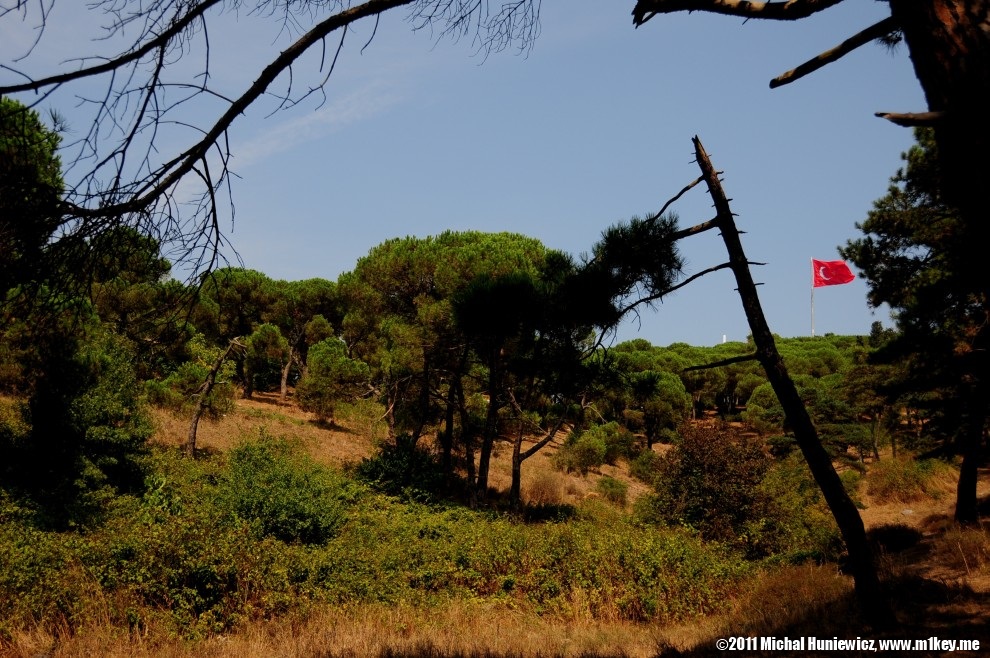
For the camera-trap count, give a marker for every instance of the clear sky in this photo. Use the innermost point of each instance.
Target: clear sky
(589, 127)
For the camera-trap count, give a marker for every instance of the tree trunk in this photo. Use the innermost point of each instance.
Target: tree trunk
(467, 439)
(949, 43)
(204, 391)
(874, 605)
(491, 428)
(284, 387)
(518, 457)
(967, 507)
(515, 490)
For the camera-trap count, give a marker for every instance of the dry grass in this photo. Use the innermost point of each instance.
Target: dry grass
(905, 480)
(337, 445)
(458, 629)
(543, 488)
(966, 549)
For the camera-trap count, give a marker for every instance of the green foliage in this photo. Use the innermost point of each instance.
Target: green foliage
(177, 559)
(905, 479)
(709, 481)
(281, 493)
(180, 390)
(30, 188)
(728, 489)
(331, 377)
(789, 520)
(581, 452)
(88, 428)
(612, 490)
(267, 352)
(921, 259)
(590, 448)
(644, 466)
(405, 470)
(365, 416)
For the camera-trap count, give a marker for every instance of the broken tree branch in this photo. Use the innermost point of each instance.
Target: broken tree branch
(724, 362)
(912, 119)
(781, 11)
(876, 31)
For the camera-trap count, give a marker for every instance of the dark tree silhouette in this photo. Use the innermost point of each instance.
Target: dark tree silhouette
(127, 169)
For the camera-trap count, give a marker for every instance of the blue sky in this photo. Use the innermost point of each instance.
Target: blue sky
(589, 127)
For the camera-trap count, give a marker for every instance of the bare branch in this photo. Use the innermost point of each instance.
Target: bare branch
(781, 11)
(674, 198)
(912, 119)
(696, 229)
(116, 63)
(172, 172)
(724, 362)
(877, 31)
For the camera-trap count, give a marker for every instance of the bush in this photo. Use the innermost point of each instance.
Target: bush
(730, 490)
(580, 452)
(612, 490)
(644, 466)
(404, 469)
(904, 479)
(599, 444)
(709, 481)
(283, 493)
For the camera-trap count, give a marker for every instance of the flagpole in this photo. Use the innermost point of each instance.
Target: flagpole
(812, 297)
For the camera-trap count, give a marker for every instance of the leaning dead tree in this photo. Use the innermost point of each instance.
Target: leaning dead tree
(875, 607)
(949, 44)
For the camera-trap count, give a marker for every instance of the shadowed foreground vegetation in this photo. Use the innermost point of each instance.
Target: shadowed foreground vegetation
(260, 550)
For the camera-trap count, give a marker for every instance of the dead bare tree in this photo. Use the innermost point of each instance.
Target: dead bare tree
(949, 44)
(874, 605)
(126, 170)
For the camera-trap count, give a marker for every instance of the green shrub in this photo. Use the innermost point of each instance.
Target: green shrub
(180, 390)
(644, 466)
(404, 469)
(730, 490)
(283, 493)
(331, 377)
(904, 479)
(612, 490)
(709, 481)
(597, 445)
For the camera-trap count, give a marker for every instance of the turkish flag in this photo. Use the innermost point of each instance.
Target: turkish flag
(830, 273)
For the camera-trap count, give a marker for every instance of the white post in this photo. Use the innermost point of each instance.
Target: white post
(812, 297)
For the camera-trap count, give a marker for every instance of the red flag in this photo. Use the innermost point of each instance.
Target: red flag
(830, 273)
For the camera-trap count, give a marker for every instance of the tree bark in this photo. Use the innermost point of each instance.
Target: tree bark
(467, 439)
(971, 434)
(284, 384)
(519, 456)
(204, 391)
(949, 44)
(490, 430)
(875, 606)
